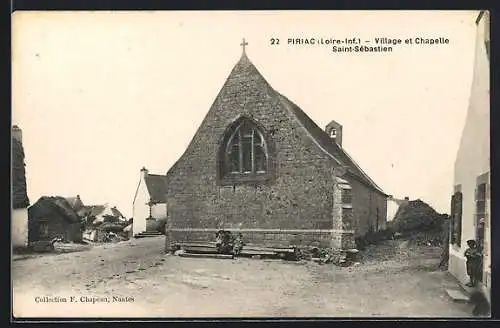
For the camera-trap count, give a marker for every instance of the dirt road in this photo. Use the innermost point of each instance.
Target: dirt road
(135, 279)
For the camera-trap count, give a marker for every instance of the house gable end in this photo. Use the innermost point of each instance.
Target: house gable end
(138, 189)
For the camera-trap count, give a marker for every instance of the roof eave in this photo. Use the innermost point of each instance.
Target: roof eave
(481, 14)
(366, 183)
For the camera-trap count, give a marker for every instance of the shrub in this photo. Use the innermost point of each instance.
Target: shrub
(373, 238)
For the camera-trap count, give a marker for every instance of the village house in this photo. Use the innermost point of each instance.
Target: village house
(20, 201)
(76, 203)
(393, 205)
(105, 212)
(52, 217)
(97, 214)
(471, 203)
(149, 206)
(258, 165)
(99, 219)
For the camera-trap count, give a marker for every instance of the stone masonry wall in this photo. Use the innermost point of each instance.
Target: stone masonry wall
(365, 203)
(298, 197)
(300, 194)
(270, 238)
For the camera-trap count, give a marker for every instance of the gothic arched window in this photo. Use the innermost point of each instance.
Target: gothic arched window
(244, 152)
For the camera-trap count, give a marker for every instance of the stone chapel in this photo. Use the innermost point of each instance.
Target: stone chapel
(258, 165)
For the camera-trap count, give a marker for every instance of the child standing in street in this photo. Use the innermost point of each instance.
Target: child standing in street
(473, 257)
(238, 244)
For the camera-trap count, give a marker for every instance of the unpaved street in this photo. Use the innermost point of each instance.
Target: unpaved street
(391, 280)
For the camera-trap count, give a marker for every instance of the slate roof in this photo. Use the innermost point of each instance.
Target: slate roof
(327, 144)
(19, 191)
(157, 187)
(244, 69)
(245, 73)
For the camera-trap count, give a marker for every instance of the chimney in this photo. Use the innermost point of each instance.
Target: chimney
(17, 134)
(144, 172)
(407, 198)
(334, 131)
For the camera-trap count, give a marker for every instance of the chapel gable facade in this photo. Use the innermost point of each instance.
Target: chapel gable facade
(260, 166)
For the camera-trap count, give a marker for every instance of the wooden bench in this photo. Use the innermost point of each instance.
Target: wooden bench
(249, 249)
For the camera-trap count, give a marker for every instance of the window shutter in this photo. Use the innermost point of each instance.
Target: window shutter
(458, 227)
(476, 212)
(452, 219)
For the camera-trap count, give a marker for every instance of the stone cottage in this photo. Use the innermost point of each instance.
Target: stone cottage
(52, 217)
(20, 201)
(260, 166)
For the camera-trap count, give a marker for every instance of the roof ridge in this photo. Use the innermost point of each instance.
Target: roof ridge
(280, 96)
(361, 170)
(245, 70)
(242, 63)
(295, 108)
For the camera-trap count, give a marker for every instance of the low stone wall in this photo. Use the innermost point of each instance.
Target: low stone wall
(336, 239)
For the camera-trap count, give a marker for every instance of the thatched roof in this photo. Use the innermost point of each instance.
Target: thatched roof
(53, 208)
(75, 202)
(116, 212)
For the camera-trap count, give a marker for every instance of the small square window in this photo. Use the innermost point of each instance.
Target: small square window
(347, 196)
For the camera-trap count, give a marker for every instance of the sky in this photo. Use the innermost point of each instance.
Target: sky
(99, 95)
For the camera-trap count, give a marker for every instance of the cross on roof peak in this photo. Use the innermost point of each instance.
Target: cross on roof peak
(244, 44)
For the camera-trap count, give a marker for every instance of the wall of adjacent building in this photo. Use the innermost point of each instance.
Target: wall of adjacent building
(19, 228)
(366, 202)
(473, 159)
(141, 210)
(159, 211)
